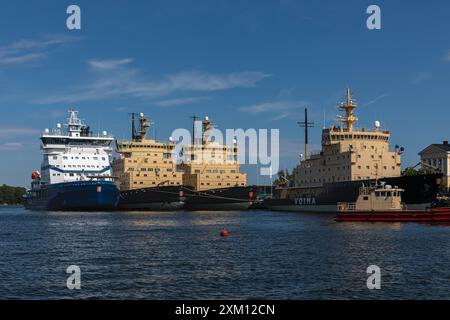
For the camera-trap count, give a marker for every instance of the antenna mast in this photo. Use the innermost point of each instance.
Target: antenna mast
(133, 127)
(305, 124)
(348, 106)
(194, 118)
(144, 125)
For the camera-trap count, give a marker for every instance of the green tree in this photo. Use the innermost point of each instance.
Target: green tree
(415, 172)
(11, 195)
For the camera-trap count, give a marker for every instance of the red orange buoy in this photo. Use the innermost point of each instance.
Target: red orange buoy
(224, 233)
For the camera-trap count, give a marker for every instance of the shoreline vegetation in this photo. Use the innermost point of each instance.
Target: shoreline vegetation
(10, 195)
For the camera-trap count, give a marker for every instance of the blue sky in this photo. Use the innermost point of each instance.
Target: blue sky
(245, 64)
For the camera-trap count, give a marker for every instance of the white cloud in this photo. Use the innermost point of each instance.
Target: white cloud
(194, 80)
(27, 50)
(283, 107)
(281, 116)
(11, 146)
(14, 132)
(114, 78)
(381, 96)
(22, 58)
(180, 101)
(109, 64)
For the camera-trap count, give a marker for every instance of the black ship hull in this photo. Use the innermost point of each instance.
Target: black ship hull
(234, 198)
(164, 198)
(420, 192)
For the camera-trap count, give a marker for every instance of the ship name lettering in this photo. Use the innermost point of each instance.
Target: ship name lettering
(305, 201)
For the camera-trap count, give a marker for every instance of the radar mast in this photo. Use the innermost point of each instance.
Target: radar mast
(348, 106)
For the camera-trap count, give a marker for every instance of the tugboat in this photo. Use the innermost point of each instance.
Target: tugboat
(384, 203)
(350, 157)
(76, 171)
(146, 171)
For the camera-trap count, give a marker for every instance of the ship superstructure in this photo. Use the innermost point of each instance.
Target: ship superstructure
(152, 177)
(351, 157)
(145, 162)
(75, 170)
(349, 153)
(146, 171)
(211, 172)
(210, 164)
(75, 154)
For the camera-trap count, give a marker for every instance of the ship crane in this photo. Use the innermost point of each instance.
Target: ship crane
(424, 164)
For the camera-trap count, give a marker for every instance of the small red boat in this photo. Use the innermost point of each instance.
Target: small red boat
(383, 203)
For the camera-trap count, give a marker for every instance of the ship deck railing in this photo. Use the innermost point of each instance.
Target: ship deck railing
(346, 206)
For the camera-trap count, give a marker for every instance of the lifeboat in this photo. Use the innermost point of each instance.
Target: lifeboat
(36, 175)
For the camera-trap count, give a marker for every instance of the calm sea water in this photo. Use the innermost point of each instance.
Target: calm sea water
(180, 255)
